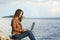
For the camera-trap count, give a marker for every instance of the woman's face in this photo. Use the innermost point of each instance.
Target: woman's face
(20, 15)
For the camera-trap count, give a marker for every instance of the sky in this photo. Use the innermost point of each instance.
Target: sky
(31, 8)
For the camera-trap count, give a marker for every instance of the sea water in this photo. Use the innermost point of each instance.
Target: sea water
(44, 29)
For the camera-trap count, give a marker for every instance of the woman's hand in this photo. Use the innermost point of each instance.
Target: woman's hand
(25, 30)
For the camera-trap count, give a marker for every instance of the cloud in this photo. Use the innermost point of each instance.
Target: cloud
(41, 6)
(2, 1)
(55, 10)
(35, 14)
(6, 1)
(38, 3)
(41, 3)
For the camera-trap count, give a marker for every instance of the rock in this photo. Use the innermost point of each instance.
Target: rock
(4, 36)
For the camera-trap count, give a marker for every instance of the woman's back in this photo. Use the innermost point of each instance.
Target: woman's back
(16, 26)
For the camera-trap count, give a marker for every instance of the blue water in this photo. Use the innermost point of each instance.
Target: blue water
(44, 29)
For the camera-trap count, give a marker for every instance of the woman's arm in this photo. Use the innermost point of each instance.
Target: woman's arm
(15, 26)
(20, 26)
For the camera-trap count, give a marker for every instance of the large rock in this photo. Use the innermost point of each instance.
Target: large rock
(4, 36)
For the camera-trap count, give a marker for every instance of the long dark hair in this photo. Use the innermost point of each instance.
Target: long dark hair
(17, 13)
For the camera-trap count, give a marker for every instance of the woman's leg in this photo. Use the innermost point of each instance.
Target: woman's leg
(20, 36)
(31, 36)
(24, 34)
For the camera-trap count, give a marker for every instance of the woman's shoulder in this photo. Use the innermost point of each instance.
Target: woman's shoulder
(14, 19)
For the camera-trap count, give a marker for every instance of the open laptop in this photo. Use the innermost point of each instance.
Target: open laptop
(32, 26)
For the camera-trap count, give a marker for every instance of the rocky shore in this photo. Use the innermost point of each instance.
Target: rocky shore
(4, 36)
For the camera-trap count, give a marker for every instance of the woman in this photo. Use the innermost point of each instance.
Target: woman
(17, 30)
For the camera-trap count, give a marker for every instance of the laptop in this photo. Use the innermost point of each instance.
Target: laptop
(32, 26)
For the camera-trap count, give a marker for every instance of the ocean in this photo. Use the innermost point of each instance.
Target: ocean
(44, 29)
